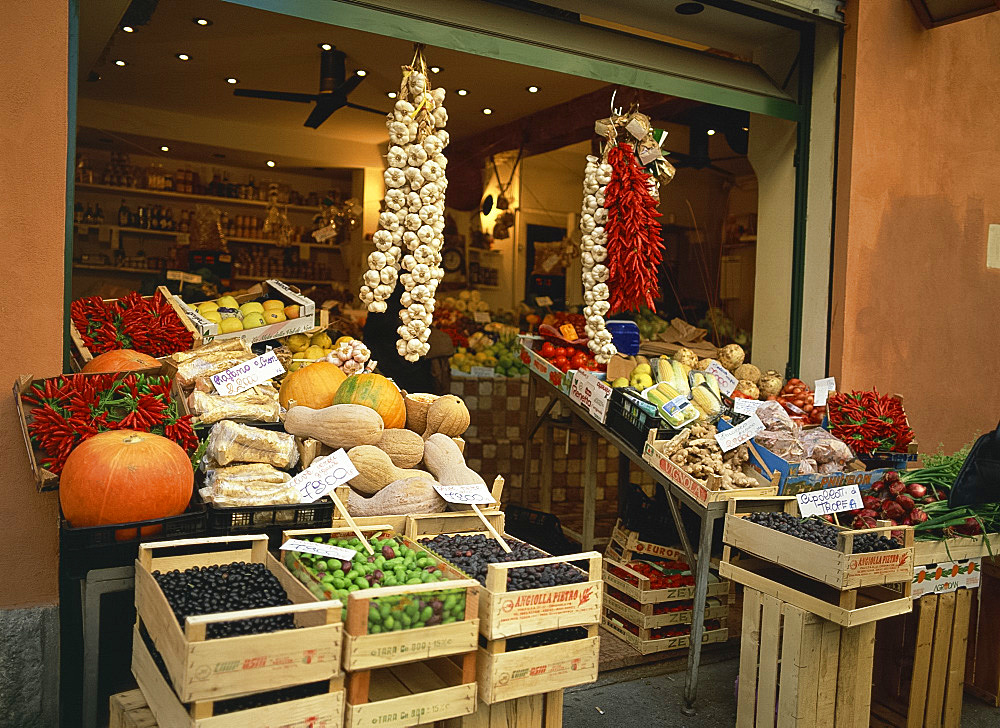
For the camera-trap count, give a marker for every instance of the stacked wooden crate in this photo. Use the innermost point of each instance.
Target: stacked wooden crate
(189, 680)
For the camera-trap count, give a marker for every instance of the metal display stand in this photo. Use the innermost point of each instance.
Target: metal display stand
(676, 497)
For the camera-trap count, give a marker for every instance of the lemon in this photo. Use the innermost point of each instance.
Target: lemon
(273, 303)
(227, 302)
(322, 340)
(274, 316)
(207, 306)
(230, 325)
(213, 316)
(313, 352)
(297, 342)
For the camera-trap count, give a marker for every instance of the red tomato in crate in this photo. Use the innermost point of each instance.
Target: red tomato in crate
(563, 351)
(561, 363)
(579, 360)
(548, 350)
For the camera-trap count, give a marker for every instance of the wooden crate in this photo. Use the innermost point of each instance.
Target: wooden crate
(645, 643)
(801, 670)
(841, 568)
(920, 663)
(982, 673)
(130, 710)
(505, 675)
(324, 709)
(646, 616)
(625, 545)
(505, 614)
(417, 693)
(534, 711)
(637, 586)
(203, 669)
(363, 651)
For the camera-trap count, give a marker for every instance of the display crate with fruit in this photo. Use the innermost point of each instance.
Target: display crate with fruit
(645, 584)
(227, 619)
(661, 639)
(555, 363)
(874, 426)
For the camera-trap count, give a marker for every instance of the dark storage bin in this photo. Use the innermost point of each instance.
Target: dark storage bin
(271, 520)
(631, 418)
(538, 528)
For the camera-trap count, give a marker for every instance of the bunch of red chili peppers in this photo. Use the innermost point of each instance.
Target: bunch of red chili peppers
(70, 409)
(148, 325)
(869, 421)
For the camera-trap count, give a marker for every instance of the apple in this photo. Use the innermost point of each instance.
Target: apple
(274, 316)
(207, 306)
(227, 302)
(292, 311)
(253, 320)
(273, 303)
(252, 307)
(214, 316)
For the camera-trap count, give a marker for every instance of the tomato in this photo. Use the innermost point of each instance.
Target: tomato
(579, 360)
(563, 351)
(548, 350)
(561, 363)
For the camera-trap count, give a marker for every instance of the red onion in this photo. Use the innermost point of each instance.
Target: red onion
(917, 516)
(928, 499)
(907, 521)
(892, 477)
(971, 527)
(916, 490)
(870, 502)
(893, 510)
(868, 513)
(905, 501)
(897, 487)
(861, 522)
(878, 486)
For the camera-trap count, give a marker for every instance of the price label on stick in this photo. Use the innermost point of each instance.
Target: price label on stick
(543, 301)
(319, 549)
(727, 382)
(324, 475)
(569, 332)
(736, 436)
(483, 372)
(745, 406)
(481, 317)
(823, 388)
(829, 500)
(249, 374)
(476, 493)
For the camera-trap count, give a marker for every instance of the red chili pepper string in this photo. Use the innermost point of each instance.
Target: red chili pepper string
(150, 326)
(868, 421)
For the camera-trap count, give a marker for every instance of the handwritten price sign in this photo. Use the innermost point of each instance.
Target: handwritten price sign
(319, 549)
(324, 475)
(743, 432)
(249, 374)
(727, 382)
(830, 500)
(465, 494)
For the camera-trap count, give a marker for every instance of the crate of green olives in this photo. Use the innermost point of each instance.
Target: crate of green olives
(402, 603)
(228, 619)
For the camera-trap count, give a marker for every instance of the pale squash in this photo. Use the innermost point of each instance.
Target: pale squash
(410, 496)
(404, 447)
(446, 463)
(375, 469)
(416, 410)
(339, 425)
(447, 415)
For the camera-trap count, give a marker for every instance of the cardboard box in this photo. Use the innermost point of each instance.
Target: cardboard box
(530, 345)
(271, 288)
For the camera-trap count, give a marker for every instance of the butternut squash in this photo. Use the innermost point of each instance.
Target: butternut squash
(339, 425)
(447, 415)
(404, 447)
(416, 410)
(399, 498)
(375, 469)
(446, 463)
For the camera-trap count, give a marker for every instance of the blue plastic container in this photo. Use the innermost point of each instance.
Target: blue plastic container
(625, 335)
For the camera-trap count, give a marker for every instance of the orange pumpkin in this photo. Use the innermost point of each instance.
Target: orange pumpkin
(120, 360)
(313, 386)
(377, 392)
(121, 476)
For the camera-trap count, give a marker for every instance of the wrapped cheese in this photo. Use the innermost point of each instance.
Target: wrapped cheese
(216, 347)
(258, 404)
(231, 442)
(205, 365)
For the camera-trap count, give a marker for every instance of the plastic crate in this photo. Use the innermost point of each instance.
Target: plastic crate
(538, 528)
(271, 520)
(105, 547)
(631, 418)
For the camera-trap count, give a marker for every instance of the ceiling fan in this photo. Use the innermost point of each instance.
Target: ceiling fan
(334, 87)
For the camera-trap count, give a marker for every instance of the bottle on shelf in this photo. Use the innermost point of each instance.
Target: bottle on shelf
(215, 185)
(78, 212)
(88, 216)
(142, 217)
(123, 214)
(98, 214)
(168, 222)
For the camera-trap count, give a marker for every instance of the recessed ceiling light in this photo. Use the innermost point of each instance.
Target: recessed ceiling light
(128, 28)
(487, 111)
(710, 132)
(184, 56)
(121, 63)
(689, 8)
(269, 163)
(436, 69)
(463, 92)
(232, 79)
(202, 21)
(325, 47)
(361, 72)
(532, 89)
(746, 128)
(392, 94)
(164, 148)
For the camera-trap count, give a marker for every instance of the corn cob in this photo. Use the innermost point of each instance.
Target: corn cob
(664, 372)
(713, 385)
(667, 390)
(680, 378)
(706, 400)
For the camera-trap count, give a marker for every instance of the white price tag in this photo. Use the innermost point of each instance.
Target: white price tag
(736, 436)
(543, 301)
(466, 494)
(324, 475)
(481, 317)
(745, 406)
(822, 389)
(484, 372)
(179, 275)
(319, 549)
(727, 382)
(829, 500)
(249, 374)
(591, 393)
(324, 233)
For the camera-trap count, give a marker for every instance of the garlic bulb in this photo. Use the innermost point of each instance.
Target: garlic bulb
(593, 252)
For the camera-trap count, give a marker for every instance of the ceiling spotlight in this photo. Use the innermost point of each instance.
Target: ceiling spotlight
(121, 63)
(392, 94)
(710, 132)
(463, 92)
(436, 69)
(325, 47)
(184, 56)
(164, 148)
(487, 111)
(532, 89)
(269, 163)
(128, 28)
(232, 79)
(202, 21)
(746, 128)
(361, 72)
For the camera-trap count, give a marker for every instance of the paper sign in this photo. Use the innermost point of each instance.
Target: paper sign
(591, 393)
(745, 406)
(319, 549)
(823, 388)
(543, 301)
(179, 275)
(483, 372)
(324, 475)
(324, 233)
(568, 332)
(739, 434)
(481, 317)
(830, 500)
(249, 374)
(465, 494)
(946, 576)
(727, 382)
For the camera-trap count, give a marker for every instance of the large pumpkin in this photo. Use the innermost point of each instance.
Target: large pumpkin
(313, 386)
(120, 360)
(377, 392)
(121, 476)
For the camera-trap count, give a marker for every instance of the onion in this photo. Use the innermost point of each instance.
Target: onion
(916, 490)
(896, 487)
(905, 501)
(892, 476)
(917, 516)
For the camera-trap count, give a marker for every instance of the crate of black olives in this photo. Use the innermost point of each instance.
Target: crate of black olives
(402, 603)
(229, 619)
(522, 592)
(319, 703)
(844, 558)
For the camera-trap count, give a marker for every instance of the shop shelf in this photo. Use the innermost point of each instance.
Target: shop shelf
(138, 192)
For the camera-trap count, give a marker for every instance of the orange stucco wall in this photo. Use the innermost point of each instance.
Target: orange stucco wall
(33, 125)
(915, 310)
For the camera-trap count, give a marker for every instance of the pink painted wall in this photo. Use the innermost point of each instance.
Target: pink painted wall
(915, 310)
(33, 127)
